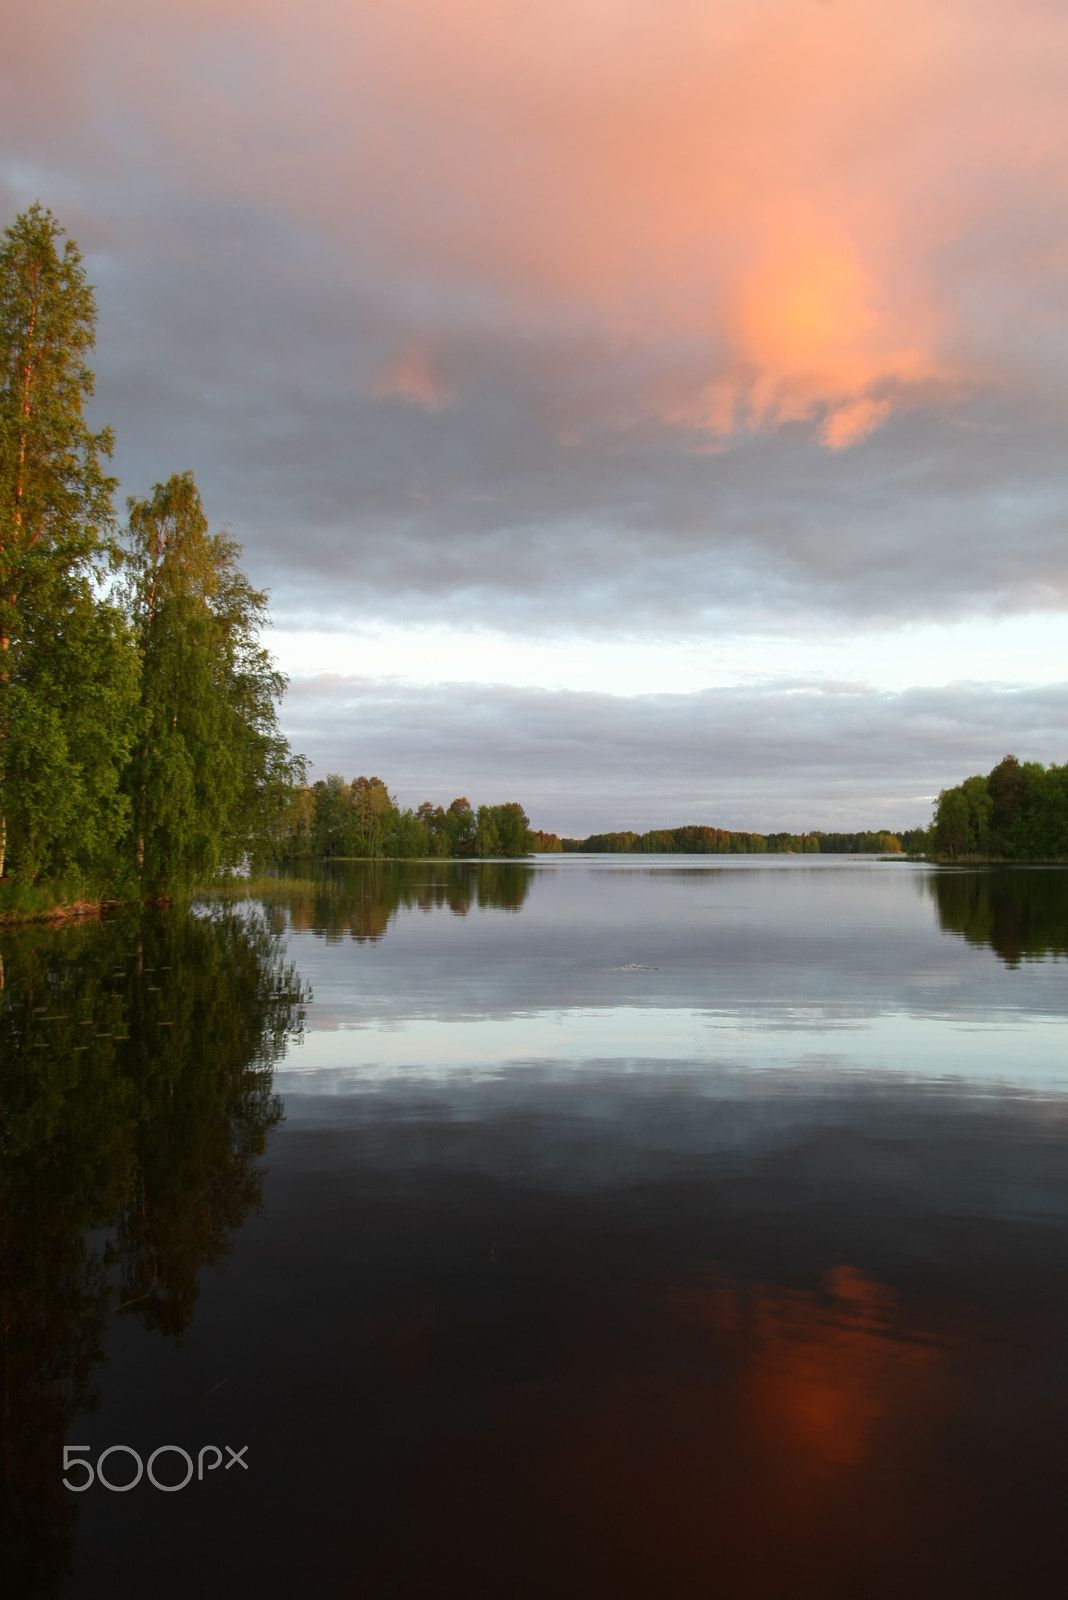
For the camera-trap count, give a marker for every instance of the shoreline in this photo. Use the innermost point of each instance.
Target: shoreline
(68, 911)
(61, 912)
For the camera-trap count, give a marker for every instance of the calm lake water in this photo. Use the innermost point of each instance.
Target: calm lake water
(599, 1227)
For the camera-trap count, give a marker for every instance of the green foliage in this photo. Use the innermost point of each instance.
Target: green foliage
(211, 777)
(362, 820)
(1017, 812)
(457, 829)
(792, 844)
(866, 843)
(54, 899)
(73, 701)
(693, 839)
(55, 501)
(138, 740)
(359, 820)
(64, 688)
(962, 820)
(503, 831)
(699, 840)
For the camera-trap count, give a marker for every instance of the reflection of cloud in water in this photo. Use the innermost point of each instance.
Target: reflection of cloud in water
(804, 947)
(758, 1342)
(874, 1143)
(635, 1040)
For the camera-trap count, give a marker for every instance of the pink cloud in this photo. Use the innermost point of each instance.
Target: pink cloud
(411, 377)
(850, 423)
(787, 209)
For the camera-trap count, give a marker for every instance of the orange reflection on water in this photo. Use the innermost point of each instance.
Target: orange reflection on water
(752, 1428)
(816, 1373)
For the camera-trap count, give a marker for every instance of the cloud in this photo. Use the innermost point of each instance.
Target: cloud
(411, 377)
(518, 477)
(852, 422)
(666, 312)
(804, 755)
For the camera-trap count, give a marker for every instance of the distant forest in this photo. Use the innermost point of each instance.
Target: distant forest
(1017, 812)
(361, 819)
(698, 840)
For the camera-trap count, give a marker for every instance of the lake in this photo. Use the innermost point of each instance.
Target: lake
(643, 1226)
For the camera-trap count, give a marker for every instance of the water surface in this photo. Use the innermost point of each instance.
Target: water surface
(688, 1227)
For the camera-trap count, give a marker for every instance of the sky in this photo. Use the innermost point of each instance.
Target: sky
(651, 411)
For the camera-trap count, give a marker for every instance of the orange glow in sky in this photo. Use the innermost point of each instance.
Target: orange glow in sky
(798, 194)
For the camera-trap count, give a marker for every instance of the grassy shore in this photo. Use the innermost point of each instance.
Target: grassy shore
(70, 901)
(75, 900)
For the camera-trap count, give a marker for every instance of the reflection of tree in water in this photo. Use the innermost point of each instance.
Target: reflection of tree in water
(135, 1098)
(359, 899)
(1022, 913)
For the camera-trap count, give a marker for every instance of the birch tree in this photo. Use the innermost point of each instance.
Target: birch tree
(211, 776)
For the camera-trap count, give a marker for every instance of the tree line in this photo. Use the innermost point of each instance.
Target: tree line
(139, 742)
(696, 839)
(1016, 812)
(361, 819)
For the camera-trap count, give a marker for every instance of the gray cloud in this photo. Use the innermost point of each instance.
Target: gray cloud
(808, 755)
(542, 487)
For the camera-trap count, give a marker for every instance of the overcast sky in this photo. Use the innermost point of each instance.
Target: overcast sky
(652, 411)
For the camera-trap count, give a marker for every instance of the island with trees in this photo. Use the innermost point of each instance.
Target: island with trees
(1016, 812)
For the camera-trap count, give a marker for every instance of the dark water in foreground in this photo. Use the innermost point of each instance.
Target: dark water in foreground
(678, 1228)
